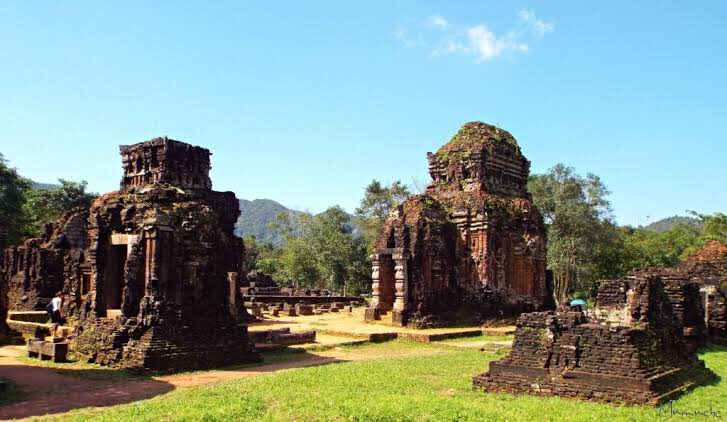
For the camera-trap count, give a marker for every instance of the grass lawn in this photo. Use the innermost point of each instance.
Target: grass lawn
(394, 381)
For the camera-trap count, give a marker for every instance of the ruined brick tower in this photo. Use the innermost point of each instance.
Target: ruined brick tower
(630, 348)
(472, 246)
(151, 270)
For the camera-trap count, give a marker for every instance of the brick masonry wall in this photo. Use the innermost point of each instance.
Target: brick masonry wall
(641, 359)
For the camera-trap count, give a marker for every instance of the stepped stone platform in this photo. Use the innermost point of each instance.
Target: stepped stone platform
(350, 326)
(630, 348)
(261, 290)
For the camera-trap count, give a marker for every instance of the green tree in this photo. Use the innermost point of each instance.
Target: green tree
(321, 251)
(377, 203)
(12, 199)
(45, 205)
(714, 227)
(643, 248)
(258, 254)
(582, 237)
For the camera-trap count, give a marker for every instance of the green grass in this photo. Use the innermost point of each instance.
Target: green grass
(432, 386)
(478, 338)
(79, 369)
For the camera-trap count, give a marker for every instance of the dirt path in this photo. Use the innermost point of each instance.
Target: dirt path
(48, 391)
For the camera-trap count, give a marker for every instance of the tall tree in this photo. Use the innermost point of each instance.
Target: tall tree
(644, 248)
(377, 203)
(321, 251)
(581, 234)
(45, 205)
(12, 197)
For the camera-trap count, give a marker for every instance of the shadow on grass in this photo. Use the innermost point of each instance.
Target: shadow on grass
(705, 351)
(78, 369)
(8, 392)
(49, 388)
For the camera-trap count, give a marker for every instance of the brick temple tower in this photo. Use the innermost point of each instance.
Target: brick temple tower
(472, 246)
(151, 270)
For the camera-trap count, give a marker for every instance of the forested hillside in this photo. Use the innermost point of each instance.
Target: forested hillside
(666, 224)
(255, 219)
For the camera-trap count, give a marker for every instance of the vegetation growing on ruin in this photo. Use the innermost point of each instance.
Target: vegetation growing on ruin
(398, 380)
(473, 136)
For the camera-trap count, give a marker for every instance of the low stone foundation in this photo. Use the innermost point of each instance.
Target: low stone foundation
(631, 350)
(164, 347)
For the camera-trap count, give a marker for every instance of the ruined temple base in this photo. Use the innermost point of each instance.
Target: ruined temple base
(653, 390)
(167, 348)
(352, 325)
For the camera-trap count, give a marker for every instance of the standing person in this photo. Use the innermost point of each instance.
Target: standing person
(56, 317)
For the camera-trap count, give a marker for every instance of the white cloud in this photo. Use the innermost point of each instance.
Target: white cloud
(439, 22)
(539, 27)
(478, 41)
(485, 45)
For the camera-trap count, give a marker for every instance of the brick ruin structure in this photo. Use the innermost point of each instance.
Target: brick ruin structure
(472, 246)
(697, 289)
(708, 269)
(629, 349)
(260, 288)
(638, 345)
(4, 329)
(151, 270)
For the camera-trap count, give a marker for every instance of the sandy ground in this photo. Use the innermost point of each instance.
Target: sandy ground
(350, 324)
(48, 391)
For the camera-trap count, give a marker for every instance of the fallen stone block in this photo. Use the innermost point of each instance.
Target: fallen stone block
(44, 350)
(302, 309)
(372, 314)
(266, 335)
(294, 338)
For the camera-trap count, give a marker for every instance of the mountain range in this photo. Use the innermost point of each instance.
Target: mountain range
(255, 219)
(666, 224)
(256, 216)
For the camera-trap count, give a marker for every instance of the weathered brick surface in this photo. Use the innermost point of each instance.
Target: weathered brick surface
(151, 270)
(471, 247)
(697, 289)
(262, 288)
(629, 349)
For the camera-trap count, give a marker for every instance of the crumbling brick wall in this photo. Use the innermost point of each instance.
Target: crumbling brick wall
(473, 245)
(151, 270)
(630, 350)
(35, 271)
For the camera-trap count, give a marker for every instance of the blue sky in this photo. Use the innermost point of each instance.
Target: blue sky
(306, 102)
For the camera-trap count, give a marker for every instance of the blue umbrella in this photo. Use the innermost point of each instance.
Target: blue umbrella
(579, 302)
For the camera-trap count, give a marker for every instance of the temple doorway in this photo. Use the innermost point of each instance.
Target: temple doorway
(387, 283)
(114, 276)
